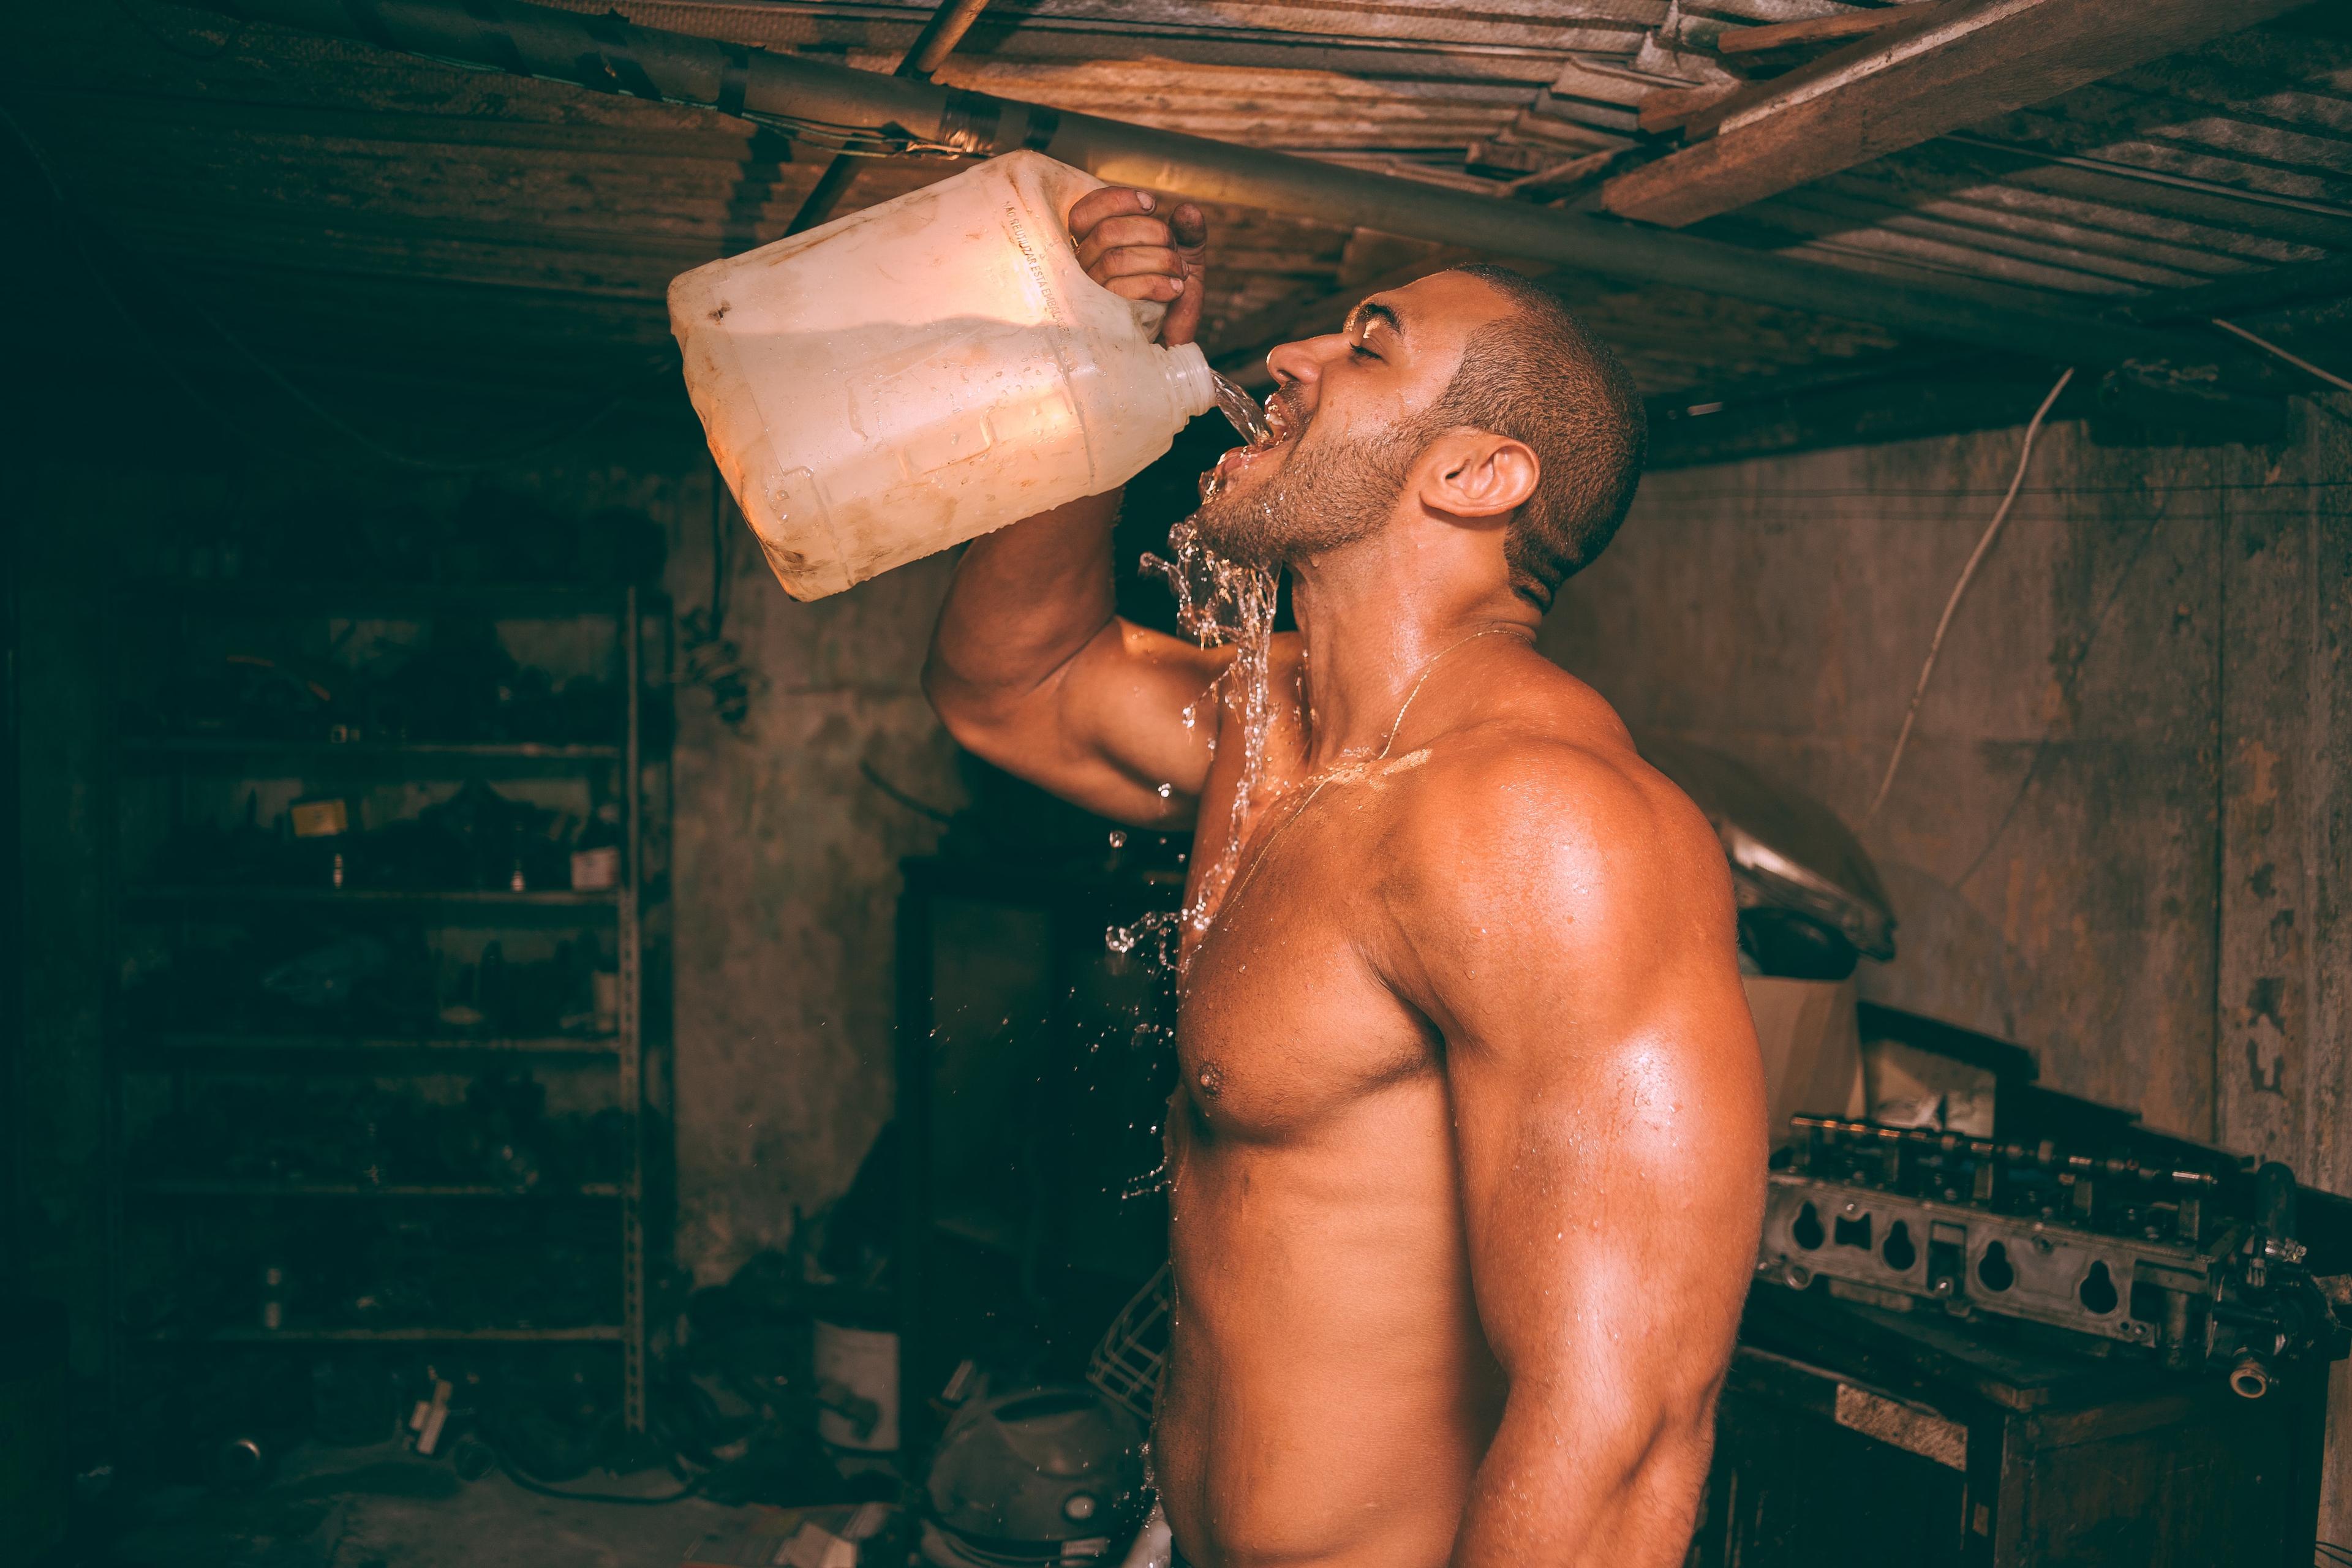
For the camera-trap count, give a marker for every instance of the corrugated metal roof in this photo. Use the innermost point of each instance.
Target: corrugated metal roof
(331, 201)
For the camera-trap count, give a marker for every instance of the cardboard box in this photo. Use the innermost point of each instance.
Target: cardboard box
(1812, 1048)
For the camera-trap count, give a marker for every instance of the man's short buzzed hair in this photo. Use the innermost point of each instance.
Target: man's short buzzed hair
(1539, 375)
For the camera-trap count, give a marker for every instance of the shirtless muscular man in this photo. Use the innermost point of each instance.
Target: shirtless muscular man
(1468, 1143)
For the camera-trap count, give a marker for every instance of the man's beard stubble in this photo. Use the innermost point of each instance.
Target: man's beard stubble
(1324, 498)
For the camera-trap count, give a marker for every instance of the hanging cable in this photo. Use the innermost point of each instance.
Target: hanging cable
(2328, 376)
(1984, 546)
(712, 662)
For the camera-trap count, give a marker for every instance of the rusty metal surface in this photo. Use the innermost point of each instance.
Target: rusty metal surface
(335, 203)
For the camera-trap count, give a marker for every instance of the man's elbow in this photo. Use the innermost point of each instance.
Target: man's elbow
(979, 719)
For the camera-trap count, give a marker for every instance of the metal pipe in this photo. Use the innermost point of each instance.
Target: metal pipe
(930, 49)
(606, 54)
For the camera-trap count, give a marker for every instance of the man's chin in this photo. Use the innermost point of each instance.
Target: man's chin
(1236, 518)
(1237, 530)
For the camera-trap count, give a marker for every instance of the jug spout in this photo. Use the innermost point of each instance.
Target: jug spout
(1190, 380)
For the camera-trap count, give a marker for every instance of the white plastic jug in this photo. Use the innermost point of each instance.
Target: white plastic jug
(925, 370)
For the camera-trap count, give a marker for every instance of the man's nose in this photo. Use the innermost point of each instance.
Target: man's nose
(1297, 367)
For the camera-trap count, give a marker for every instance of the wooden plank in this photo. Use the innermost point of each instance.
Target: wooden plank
(1673, 110)
(1937, 72)
(2263, 1035)
(2282, 1063)
(1812, 31)
(2327, 849)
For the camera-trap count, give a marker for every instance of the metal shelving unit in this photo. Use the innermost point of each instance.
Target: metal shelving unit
(369, 758)
(642, 619)
(178, 1187)
(365, 1052)
(597, 1334)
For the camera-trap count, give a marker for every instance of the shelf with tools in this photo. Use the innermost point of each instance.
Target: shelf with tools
(167, 1187)
(167, 1052)
(482, 901)
(387, 600)
(592, 1333)
(411, 759)
(388, 912)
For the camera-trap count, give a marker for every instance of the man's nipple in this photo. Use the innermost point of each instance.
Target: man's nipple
(1211, 1079)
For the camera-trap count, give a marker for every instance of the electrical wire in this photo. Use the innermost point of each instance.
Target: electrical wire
(1968, 573)
(920, 807)
(2299, 363)
(854, 140)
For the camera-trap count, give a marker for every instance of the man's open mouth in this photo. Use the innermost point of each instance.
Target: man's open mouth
(1284, 429)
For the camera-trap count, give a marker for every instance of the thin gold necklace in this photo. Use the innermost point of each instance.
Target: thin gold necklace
(1396, 727)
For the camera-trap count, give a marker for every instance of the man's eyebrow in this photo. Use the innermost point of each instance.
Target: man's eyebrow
(1373, 311)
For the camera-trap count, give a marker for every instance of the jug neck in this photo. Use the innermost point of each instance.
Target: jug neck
(1191, 386)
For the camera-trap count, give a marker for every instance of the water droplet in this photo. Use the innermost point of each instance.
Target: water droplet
(1118, 839)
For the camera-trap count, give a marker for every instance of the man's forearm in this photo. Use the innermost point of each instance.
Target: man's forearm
(1024, 600)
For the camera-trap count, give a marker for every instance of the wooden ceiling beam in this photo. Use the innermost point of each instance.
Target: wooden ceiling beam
(1808, 33)
(793, 90)
(1947, 66)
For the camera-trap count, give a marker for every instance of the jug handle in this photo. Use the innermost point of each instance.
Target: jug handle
(1069, 186)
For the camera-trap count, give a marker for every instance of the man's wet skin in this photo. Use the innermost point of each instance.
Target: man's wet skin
(1467, 1142)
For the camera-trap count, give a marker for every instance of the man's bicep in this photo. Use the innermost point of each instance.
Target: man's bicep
(1125, 725)
(1610, 1243)
(1604, 1073)
(1612, 1199)
(1136, 714)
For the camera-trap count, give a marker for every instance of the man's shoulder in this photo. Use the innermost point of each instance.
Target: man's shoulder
(1505, 777)
(1526, 806)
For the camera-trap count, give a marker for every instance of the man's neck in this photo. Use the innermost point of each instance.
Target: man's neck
(1376, 615)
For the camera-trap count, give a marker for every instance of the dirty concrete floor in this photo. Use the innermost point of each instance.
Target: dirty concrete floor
(386, 1508)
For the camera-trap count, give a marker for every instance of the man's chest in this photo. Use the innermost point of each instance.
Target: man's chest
(1285, 1019)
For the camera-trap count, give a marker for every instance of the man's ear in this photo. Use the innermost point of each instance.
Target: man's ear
(1475, 473)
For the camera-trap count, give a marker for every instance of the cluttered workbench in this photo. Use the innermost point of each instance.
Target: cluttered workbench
(1853, 1434)
(2054, 1337)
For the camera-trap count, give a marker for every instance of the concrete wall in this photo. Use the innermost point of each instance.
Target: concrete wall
(2123, 834)
(787, 884)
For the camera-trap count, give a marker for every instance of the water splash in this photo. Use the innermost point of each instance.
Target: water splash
(1244, 411)
(1155, 1180)
(1160, 934)
(1221, 602)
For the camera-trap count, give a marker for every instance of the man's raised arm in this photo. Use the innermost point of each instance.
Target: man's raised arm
(1571, 934)
(1031, 666)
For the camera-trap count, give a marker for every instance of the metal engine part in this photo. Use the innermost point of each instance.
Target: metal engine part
(2195, 1263)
